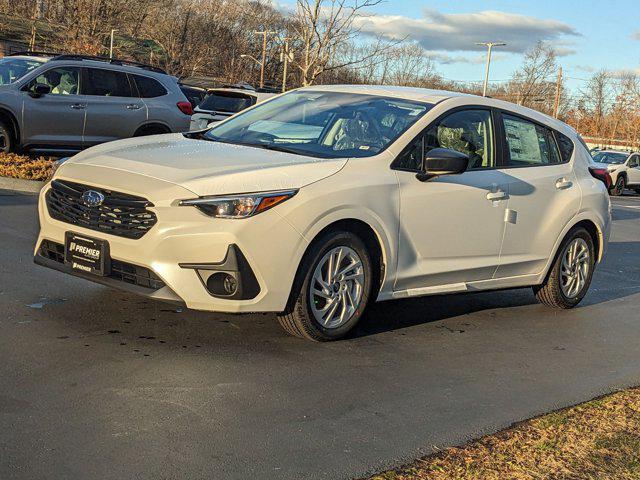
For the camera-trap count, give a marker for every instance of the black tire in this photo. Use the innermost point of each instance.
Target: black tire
(550, 293)
(7, 142)
(618, 188)
(298, 319)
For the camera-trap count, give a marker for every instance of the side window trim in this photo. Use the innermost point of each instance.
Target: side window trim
(497, 147)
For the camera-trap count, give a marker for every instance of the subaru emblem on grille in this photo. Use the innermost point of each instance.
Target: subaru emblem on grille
(91, 198)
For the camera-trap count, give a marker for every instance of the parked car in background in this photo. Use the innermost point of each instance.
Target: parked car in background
(194, 94)
(221, 103)
(394, 193)
(70, 102)
(624, 168)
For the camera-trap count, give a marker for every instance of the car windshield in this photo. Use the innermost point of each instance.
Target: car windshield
(225, 102)
(610, 157)
(13, 69)
(322, 124)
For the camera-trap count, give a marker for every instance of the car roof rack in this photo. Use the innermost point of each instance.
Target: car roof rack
(113, 61)
(31, 53)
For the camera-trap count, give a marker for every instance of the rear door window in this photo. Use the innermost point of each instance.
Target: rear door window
(106, 83)
(528, 143)
(148, 87)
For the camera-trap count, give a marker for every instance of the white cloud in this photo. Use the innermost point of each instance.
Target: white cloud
(460, 32)
(636, 35)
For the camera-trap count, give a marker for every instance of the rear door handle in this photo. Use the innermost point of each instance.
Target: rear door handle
(495, 196)
(563, 184)
(133, 106)
(78, 106)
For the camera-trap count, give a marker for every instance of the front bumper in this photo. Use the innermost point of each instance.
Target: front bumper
(183, 244)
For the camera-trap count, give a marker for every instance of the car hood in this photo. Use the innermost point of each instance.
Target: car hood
(204, 167)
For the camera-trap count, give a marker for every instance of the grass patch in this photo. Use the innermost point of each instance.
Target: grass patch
(599, 439)
(25, 167)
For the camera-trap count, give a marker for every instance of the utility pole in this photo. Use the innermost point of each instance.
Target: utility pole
(489, 46)
(113, 30)
(264, 34)
(286, 58)
(556, 103)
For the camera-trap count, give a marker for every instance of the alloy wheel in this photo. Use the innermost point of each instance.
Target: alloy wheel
(575, 267)
(336, 287)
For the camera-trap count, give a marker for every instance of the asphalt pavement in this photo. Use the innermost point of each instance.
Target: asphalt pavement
(96, 384)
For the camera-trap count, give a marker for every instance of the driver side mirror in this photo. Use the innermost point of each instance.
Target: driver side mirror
(443, 161)
(40, 89)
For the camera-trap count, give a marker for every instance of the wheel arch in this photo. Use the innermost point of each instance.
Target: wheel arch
(152, 125)
(371, 234)
(11, 119)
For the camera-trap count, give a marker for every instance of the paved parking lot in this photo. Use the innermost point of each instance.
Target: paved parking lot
(96, 384)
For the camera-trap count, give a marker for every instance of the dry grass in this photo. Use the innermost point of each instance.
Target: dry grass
(595, 440)
(25, 167)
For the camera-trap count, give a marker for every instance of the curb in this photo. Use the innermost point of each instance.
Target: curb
(20, 185)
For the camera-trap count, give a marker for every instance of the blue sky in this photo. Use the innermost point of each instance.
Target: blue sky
(590, 35)
(599, 35)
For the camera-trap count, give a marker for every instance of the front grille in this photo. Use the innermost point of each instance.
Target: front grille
(119, 214)
(121, 271)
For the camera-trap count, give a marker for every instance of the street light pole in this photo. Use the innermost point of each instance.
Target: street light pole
(489, 46)
(113, 30)
(264, 53)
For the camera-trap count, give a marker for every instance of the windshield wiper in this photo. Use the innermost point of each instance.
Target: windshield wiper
(277, 148)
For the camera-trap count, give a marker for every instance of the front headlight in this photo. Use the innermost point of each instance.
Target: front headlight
(239, 206)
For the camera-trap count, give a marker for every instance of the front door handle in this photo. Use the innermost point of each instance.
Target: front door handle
(495, 196)
(133, 106)
(563, 184)
(78, 106)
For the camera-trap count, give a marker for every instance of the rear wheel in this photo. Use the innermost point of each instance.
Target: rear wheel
(151, 130)
(618, 188)
(570, 277)
(332, 289)
(7, 143)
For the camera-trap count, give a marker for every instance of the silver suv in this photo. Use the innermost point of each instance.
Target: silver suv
(69, 102)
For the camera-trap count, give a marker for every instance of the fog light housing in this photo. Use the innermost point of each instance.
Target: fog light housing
(231, 279)
(220, 284)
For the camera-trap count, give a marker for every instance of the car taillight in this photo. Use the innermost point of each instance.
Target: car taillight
(602, 174)
(185, 107)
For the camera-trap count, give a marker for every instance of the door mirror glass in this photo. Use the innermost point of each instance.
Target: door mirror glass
(444, 161)
(41, 89)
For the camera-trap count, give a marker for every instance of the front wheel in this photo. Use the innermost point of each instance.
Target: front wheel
(619, 187)
(571, 273)
(331, 290)
(6, 138)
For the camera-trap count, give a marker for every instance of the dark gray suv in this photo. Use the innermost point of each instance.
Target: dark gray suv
(70, 102)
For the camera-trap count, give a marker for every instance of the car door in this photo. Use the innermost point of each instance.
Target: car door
(543, 194)
(56, 119)
(451, 227)
(633, 172)
(114, 109)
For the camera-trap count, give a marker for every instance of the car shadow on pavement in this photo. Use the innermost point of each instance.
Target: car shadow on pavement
(618, 276)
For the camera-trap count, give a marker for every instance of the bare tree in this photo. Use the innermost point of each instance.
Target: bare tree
(323, 28)
(533, 85)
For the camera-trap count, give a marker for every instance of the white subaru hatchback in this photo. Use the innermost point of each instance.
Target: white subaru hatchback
(319, 201)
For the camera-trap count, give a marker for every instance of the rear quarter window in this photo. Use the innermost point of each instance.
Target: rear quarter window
(149, 87)
(565, 144)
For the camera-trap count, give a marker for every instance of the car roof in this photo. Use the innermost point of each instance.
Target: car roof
(30, 57)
